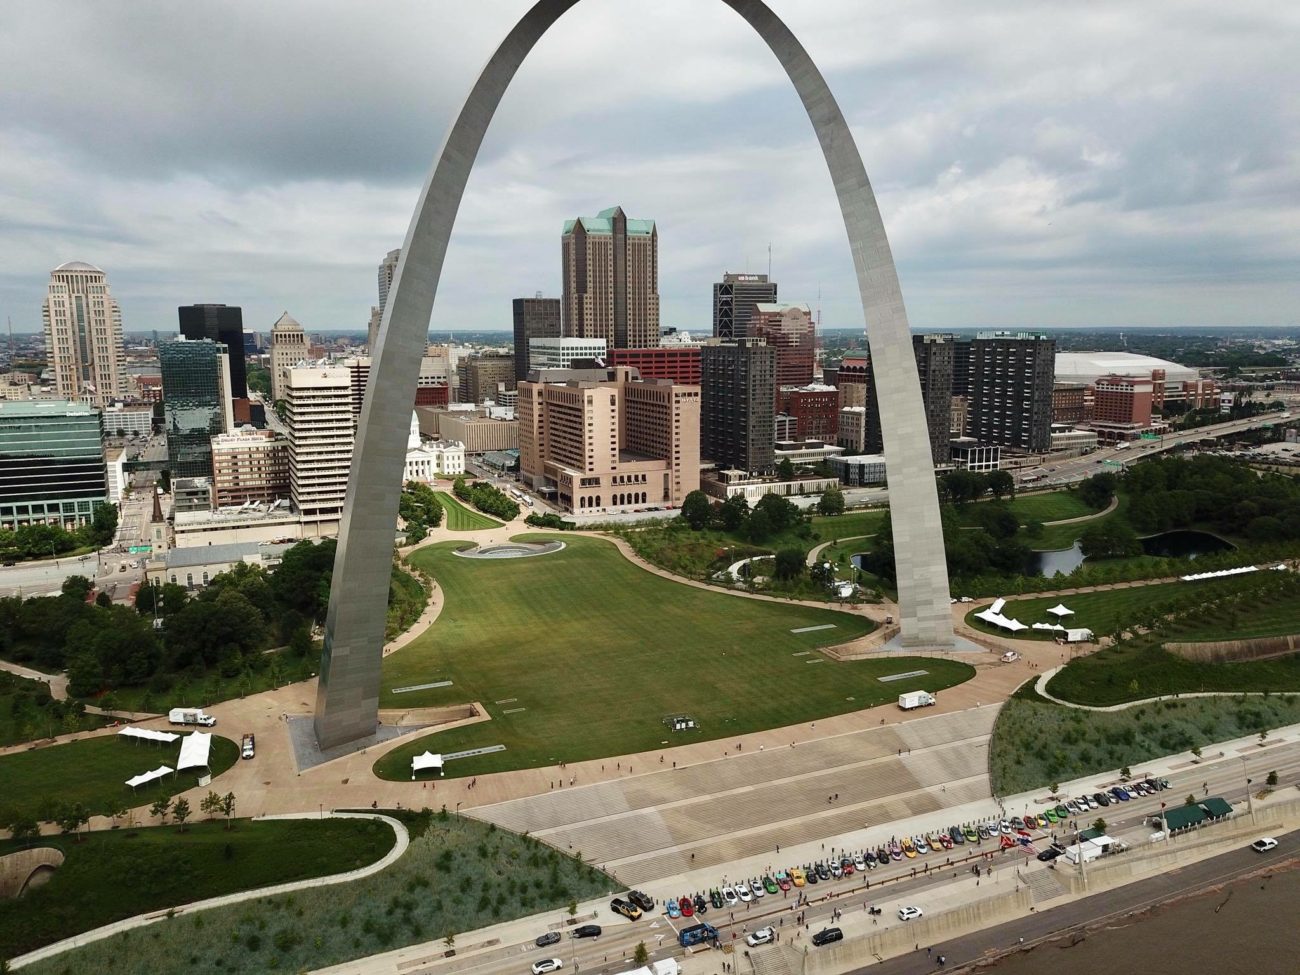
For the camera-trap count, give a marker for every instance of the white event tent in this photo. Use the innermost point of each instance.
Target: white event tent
(145, 777)
(1060, 610)
(994, 616)
(195, 749)
(145, 734)
(426, 761)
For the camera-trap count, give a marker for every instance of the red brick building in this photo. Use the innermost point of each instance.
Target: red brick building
(681, 363)
(815, 409)
(788, 329)
(1123, 400)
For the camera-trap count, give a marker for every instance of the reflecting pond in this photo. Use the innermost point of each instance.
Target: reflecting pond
(1181, 544)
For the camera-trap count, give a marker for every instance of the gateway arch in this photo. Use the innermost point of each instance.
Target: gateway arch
(348, 696)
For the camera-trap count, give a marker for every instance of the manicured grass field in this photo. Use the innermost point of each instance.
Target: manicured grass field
(582, 654)
(1279, 616)
(458, 875)
(1049, 506)
(93, 772)
(848, 525)
(109, 875)
(1063, 536)
(1036, 743)
(463, 519)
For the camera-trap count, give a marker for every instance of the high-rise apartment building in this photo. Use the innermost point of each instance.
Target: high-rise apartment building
(288, 348)
(196, 402)
(734, 298)
(610, 264)
(934, 365)
(610, 444)
(387, 271)
(224, 324)
(51, 463)
(789, 329)
(534, 318)
(249, 465)
(1122, 403)
(680, 363)
(738, 404)
(1011, 390)
(318, 413)
(83, 335)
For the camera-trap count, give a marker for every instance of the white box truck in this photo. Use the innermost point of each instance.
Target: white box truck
(916, 699)
(190, 716)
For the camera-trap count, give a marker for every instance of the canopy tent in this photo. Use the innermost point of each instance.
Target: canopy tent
(144, 734)
(996, 608)
(1060, 610)
(145, 777)
(1054, 627)
(194, 750)
(990, 615)
(1240, 570)
(1081, 635)
(426, 761)
(1015, 626)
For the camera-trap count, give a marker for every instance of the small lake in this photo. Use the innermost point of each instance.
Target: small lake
(1180, 544)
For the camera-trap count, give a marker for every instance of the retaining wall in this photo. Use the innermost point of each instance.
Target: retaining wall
(17, 868)
(1228, 651)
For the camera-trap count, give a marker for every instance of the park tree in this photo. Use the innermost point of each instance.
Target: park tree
(78, 587)
(789, 564)
(963, 486)
(785, 469)
(72, 817)
(24, 829)
(210, 805)
(161, 807)
(734, 513)
(1001, 484)
(181, 812)
(696, 510)
(1109, 539)
(103, 526)
(1272, 779)
(1099, 825)
(1196, 752)
(169, 599)
(831, 502)
(228, 808)
(641, 955)
(781, 511)
(103, 600)
(760, 526)
(1096, 491)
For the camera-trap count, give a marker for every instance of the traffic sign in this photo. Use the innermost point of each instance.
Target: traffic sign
(139, 549)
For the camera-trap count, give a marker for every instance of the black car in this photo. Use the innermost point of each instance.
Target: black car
(826, 936)
(587, 931)
(715, 898)
(643, 901)
(823, 872)
(1101, 799)
(1050, 854)
(701, 905)
(549, 938)
(810, 874)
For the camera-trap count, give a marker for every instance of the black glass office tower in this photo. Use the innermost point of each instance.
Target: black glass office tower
(195, 403)
(224, 324)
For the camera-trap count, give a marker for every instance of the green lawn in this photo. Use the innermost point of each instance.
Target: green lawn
(1049, 506)
(1277, 616)
(1036, 743)
(1063, 536)
(94, 771)
(457, 876)
(461, 518)
(590, 653)
(109, 875)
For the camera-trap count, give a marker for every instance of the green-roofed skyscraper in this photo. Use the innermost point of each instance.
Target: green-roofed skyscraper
(611, 279)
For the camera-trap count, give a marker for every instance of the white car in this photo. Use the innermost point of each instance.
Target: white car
(729, 897)
(1264, 844)
(742, 891)
(757, 887)
(909, 913)
(547, 965)
(859, 863)
(1004, 827)
(763, 936)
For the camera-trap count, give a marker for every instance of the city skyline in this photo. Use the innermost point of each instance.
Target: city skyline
(1074, 183)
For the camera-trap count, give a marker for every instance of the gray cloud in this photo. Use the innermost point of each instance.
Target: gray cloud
(1036, 163)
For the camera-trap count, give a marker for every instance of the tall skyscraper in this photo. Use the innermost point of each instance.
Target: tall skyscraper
(611, 279)
(789, 329)
(738, 404)
(224, 324)
(318, 413)
(196, 402)
(1011, 389)
(534, 318)
(934, 367)
(83, 335)
(387, 269)
(51, 463)
(734, 298)
(288, 348)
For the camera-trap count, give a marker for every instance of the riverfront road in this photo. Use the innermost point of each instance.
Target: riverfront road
(965, 953)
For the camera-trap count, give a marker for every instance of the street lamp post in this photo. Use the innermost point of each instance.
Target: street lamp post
(1250, 800)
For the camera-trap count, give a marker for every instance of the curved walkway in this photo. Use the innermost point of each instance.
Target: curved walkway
(402, 841)
(1040, 686)
(815, 553)
(1114, 503)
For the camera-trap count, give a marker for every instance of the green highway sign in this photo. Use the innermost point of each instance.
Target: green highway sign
(139, 549)
(1112, 463)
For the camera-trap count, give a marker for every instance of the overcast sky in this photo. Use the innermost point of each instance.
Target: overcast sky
(1108, 163)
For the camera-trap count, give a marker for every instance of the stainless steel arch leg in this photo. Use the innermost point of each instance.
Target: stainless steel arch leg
(348, 696)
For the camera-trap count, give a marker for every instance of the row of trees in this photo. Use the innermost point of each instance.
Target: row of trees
(1175, 492)
(419, 510)
(50, 541)
(486, 498)
(772, 514)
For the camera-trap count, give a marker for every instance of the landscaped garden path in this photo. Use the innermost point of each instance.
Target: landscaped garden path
(1040, 686)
